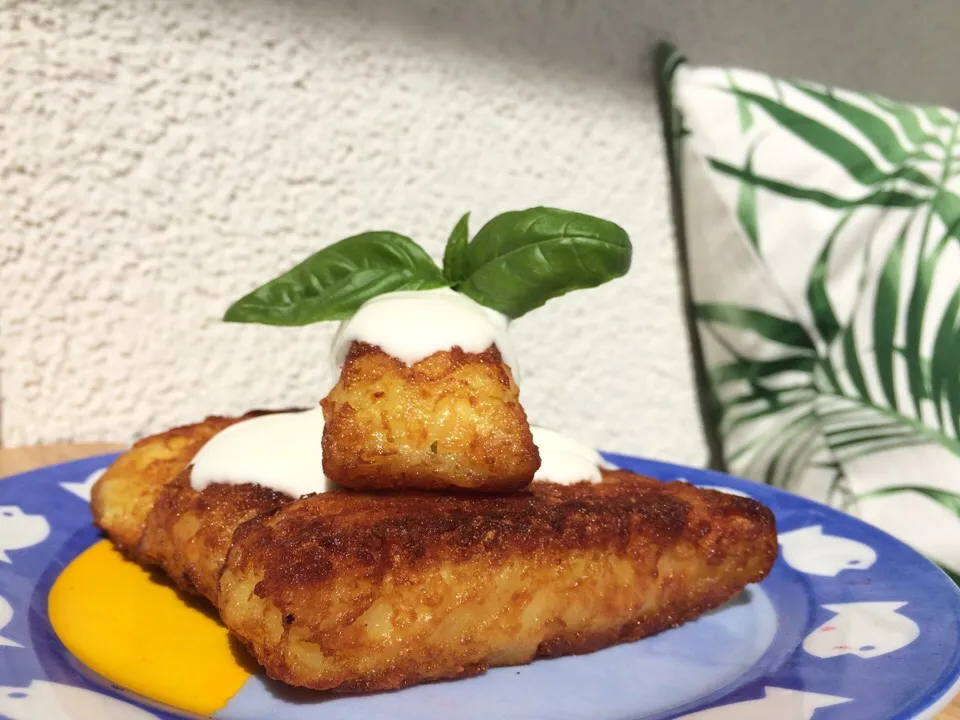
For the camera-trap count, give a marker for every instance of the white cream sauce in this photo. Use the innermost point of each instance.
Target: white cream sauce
(282, 452)
(413, 325)
(565, 460)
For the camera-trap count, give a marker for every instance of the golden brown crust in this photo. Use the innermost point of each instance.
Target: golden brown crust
(123, 497)
(451, 421)
(370, 591)
(356, 591)
(188, 533)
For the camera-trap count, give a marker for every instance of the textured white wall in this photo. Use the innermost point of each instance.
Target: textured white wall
(159, 158)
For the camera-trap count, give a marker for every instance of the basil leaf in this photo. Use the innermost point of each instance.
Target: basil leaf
(454, 255)
(521, 259)
(333, 283)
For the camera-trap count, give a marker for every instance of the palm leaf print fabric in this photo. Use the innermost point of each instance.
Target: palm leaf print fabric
(822, 230)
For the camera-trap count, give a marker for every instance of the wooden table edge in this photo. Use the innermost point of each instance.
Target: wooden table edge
(23, 459)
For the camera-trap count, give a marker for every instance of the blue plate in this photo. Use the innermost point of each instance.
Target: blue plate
(850, 624)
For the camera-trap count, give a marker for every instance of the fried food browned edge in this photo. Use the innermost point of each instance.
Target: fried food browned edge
(123, 497)
(371, 591)
(450, 421)
(146, 506)
(365, 591)
(188, 533)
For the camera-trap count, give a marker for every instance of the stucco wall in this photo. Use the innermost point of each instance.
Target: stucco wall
(159, 158)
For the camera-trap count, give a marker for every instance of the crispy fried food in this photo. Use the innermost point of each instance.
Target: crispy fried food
(355, 591)
(451, 421)
(188, 533)
(371, 591)
(123, 498)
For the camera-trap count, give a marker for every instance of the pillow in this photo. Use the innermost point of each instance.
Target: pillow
(821, 237)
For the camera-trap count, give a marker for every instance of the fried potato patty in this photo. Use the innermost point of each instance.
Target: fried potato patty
(450, 421)
(371, 591)
(188, 533)
(124, 496)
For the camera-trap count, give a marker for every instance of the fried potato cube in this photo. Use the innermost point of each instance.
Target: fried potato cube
(452, 420)
(356, 591)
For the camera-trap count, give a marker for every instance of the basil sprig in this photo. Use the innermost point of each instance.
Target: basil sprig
(455, 254)
(515, 263)
(519, 260)
(332, 283)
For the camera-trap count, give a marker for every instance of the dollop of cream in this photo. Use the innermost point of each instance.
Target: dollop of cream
(565, 460)
(282, 451)
(412, 325)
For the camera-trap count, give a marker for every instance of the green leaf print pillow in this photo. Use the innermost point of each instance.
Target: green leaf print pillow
(821, 231)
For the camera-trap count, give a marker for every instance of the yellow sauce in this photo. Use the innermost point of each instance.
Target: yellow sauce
(136, 631)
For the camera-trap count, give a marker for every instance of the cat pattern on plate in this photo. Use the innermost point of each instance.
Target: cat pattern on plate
(83, 489)
(779, 703)
(864, 629)
(810, 551)
(19, 530)
(54, 701)
(6, 615)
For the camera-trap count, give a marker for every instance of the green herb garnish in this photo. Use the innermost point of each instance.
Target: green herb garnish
(514, 264)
